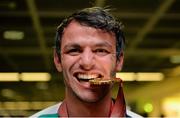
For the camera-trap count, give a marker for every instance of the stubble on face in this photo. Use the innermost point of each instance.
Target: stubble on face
(71, 84)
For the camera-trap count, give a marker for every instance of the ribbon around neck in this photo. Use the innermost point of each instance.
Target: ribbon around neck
(119, 107)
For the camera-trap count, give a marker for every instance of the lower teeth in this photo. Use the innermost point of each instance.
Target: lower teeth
(84, 79)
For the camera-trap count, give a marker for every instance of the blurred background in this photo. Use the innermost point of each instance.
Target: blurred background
(29, 81)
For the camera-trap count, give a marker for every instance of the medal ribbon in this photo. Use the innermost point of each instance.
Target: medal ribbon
(117, 110)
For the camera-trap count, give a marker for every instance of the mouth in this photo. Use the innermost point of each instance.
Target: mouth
(83, 77)
(95, 79)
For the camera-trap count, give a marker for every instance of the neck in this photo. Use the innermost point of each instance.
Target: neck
(79, 108)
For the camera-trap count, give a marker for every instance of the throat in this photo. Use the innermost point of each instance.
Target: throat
(90, 109)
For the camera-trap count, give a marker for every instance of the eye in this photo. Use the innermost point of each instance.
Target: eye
(74, 52)
(101, 52)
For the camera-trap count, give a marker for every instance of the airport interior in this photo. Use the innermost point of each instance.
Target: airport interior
(29, 81)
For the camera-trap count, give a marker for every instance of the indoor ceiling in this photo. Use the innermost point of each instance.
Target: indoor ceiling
(152, 31)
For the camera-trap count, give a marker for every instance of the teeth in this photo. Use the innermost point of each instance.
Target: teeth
(87, 76)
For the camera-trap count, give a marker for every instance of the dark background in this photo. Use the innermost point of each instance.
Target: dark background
(152, 31)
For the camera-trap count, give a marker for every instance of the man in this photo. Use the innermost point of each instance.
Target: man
(89, 51)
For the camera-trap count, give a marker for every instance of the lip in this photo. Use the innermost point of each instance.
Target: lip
(89, 72)
(85, 84)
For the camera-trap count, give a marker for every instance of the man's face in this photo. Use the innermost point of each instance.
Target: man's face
(87, 53)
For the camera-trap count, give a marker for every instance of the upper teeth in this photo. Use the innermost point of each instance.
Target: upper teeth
(87, 76)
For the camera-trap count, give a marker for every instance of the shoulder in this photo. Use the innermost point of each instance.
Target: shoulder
(132, 114)
(52, 110)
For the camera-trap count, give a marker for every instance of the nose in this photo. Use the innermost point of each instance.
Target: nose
(87, 59)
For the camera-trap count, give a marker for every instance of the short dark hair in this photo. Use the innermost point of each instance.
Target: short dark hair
(95, 17)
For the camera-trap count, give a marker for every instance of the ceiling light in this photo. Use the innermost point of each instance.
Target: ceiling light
(13, 35)
(144, 76)
(129, 76)
(8, 93)
(9, 76)
(12, 5)
(175, 59)
(10, 105)
(35, 76)
(149, 76)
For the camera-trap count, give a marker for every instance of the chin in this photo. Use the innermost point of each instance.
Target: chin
(92, 98)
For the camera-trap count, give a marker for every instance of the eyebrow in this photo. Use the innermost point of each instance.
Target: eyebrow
(71, 45)
(102, 44)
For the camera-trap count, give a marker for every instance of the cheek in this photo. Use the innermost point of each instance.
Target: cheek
(109, 64)
(67, 61)
(113, 65)
(112, 62)
(69, 64)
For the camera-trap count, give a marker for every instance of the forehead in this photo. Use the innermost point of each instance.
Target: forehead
(78, 32)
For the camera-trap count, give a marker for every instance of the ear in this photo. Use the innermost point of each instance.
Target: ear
(57, 62)
(119, 63)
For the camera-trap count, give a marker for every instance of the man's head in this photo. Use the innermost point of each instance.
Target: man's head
(98, 18)
(88, 45)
